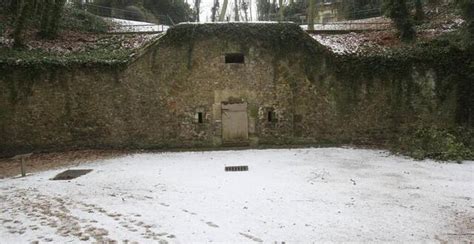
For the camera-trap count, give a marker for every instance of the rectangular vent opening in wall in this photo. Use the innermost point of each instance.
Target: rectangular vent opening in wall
(234, 58)
(200, 118)
(237, 168)
(71, 174)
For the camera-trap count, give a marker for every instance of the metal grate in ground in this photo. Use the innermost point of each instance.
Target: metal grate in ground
(237, 168)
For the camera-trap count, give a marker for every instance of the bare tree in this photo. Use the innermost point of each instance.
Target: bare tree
(236, 10)
(214, 10)
(245, 7)
(311, 15)
(20, 24)
(197, 4)
(280, 10)
(224, 8)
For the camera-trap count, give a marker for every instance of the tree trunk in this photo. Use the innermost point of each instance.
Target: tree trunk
(280, 5)
(214, 10)
(55, 19)
(311, 15)
(197, 5)
(236, 11)
(224, 8)
(45, 16)
(398, 12)
(20, 25)
(419, 14)
(272, 13)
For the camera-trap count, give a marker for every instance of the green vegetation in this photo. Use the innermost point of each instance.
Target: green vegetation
(282, 38)
(101, 50)
(437, 143)
(108, 56)
(45, 18)
(107, 51)
(432, 137)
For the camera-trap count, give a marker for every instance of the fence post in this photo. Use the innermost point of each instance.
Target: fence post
(22, 158)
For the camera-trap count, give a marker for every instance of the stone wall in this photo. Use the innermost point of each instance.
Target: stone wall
(158, 99)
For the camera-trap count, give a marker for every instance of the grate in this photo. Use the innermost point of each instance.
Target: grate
(71, 174)
(237, 168)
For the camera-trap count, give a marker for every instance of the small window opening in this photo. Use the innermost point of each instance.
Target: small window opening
(234, 58)
(271, 116)
(200, 118)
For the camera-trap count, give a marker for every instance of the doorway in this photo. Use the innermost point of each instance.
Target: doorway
(235, 129)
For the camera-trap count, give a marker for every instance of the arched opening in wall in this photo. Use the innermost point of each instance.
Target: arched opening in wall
(234, 58)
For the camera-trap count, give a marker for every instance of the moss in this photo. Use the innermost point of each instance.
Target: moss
(452, 63)
(282, 39)
(39, 58)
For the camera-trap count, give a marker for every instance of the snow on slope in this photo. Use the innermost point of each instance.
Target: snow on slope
(375, 23)
(288, 195)
(350, 43)
(123, 25)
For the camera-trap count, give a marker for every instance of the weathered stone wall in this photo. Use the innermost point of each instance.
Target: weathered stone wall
(155, 102)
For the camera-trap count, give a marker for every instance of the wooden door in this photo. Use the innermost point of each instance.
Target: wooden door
(235, 127)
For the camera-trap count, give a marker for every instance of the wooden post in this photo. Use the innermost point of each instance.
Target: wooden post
(22, 157)
(22, 166)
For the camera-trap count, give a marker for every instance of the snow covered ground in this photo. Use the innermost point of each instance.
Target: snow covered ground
(123, 25)
(288, 195)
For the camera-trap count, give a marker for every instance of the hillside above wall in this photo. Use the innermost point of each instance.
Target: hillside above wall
(102, 49)
(440, 23)
(77, 49)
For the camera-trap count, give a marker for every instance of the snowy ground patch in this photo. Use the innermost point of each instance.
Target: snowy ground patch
(287, 195)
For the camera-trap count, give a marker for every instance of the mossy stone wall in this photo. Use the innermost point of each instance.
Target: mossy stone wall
(154, 102)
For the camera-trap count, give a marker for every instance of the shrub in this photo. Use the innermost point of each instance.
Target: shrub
(440, 144)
